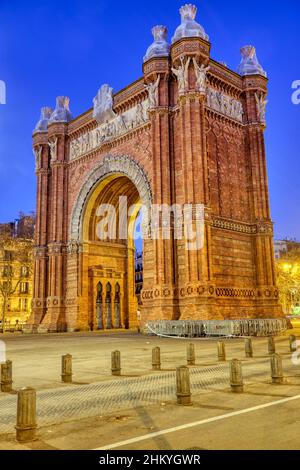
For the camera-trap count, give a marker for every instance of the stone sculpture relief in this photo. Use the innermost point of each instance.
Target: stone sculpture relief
(201, 76)
(261, 104)
(224, 104)
(38, 155)
(110, 130)
(152, 89)
(182, 74)
(53, 149)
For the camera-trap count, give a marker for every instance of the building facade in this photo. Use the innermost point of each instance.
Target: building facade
(282, 247)
(16, 271)
(189, 133)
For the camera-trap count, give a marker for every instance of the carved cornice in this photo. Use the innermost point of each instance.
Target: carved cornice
(254, 83)
(40, 138)
(57, 128)
(190, 46)
(158, 65)
(234, 226)
(226, 78)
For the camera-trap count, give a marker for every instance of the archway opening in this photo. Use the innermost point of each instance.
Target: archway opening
(109, 234)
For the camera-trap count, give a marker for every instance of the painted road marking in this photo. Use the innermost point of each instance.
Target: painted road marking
(198, 423)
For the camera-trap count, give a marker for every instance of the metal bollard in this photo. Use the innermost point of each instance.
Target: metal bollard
(249, 347)
(6, 377)
(221, 351)
(116, 363)
(191, 356)
(26, 415)
(271, 345)
(183, 386)
(276, 369)
(66, 369)
(156, 362)
(293, 343)
(236, 376)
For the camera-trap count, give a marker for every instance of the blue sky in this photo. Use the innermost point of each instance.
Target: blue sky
(72, 47)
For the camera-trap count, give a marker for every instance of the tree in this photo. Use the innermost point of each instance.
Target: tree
(15, 255)
(288, 279)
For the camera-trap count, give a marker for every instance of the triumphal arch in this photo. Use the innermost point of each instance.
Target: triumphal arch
(190, 134)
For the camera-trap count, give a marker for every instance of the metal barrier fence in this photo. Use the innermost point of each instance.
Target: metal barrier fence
(203, 328)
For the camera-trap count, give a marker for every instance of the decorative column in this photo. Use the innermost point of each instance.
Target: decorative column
(57, 225)
(42, 169)
(190, 66)
(255, 94)
(158, 296)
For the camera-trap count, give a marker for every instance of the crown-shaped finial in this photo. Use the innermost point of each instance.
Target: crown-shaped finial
(160, 33)
(62, 110)
(189, 27)
(160, 46)
(188, 12)
(249, 64)
(42, 124)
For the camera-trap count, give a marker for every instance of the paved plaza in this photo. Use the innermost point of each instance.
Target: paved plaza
(138, 410)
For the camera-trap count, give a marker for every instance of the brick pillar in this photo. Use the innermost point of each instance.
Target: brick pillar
(264, 251)
(39, 303)
(191, 182)
(57, 229)
(159, 268)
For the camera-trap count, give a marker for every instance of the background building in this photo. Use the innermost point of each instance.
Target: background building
(282, 247)
(16, 271)
(287, 255)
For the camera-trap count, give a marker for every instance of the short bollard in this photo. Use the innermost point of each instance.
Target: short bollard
(236, 376)
(191, 356)
(293, 343)
(271, 345)
(276, 369)
(6, 377)
(26, 415)
(66, 369)
(156, 362)
(183, 386)
(116, 363)
(221, 351)
(249, 347)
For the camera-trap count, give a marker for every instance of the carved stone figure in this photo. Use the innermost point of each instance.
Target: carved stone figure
(182, 74)
(153, 93)
(38, 155)
(201, 76)
(139, 115)
(121, 125)
(261, 104)
(103, 105)
(53, 149)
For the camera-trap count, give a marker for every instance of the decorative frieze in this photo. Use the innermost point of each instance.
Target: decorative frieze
(224, 104)
(234, 226)
(116, 127)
